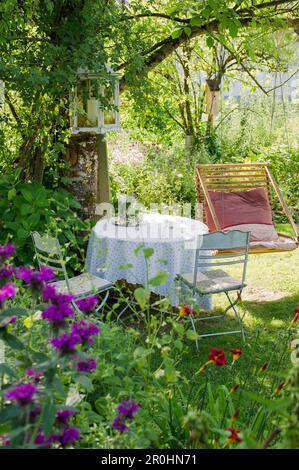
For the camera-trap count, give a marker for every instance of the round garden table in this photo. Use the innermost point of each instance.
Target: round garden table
(117, 252)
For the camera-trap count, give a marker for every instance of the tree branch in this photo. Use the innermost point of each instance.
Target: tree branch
(157, 15)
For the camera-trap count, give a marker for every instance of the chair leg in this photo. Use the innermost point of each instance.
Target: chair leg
(232, 305)
(103, 302)
(194, 329)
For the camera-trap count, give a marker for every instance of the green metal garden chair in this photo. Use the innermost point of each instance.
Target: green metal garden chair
(214, 281)
(48, 253)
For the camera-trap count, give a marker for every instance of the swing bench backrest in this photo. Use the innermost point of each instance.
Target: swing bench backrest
(224, 178)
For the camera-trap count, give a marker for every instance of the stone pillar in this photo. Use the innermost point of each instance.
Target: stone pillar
(87, 157)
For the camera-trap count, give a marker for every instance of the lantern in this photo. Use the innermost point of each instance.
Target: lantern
(94, 104)
(212, 94)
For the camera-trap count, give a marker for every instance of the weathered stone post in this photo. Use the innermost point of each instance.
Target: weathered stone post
(88, 159)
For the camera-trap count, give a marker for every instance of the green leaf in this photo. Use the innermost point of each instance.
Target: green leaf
(14, 311)
(192, 335)
(210, 41)
(160, 278)
(11, 194)
(34, 219)
(148, 252)
(22, 233)
(233, 29)
(196, 21)
(142, 296)
(48, 416)
(5, 370)
(187, 31)
(176, 33)
(85, 381)
(26, 209)
(12, 341)
(27, 194)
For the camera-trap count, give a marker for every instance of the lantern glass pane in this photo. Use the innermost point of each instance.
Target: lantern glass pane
(109, 114)
(87, 103)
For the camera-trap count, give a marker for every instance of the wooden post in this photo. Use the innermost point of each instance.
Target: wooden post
(103, 187)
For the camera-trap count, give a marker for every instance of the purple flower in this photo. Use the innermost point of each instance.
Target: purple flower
(13, 320)
(63, 416)
(66, 343)
(85, 330)
(128, 408)
(69, 436)
(6, 272)
(87, 365)
(35, 278)
(7, 251)
(6, 292)
(88, 304)
(120, 425)
(57, 314)
(23, 394)
(49, 293)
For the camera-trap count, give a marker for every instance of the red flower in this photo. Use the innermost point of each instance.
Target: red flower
(236, 353)
(235, 415)
(234, 388)
(234, 435)
(264, 367)
(279, 388)
(218, 356)
(185, 310)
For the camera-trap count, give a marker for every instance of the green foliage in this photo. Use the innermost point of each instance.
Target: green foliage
(28, 207)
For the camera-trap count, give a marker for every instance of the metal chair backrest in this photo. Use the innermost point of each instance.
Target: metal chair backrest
(48, 253)
(211, 242)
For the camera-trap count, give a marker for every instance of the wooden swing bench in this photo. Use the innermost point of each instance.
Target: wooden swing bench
(241, 196)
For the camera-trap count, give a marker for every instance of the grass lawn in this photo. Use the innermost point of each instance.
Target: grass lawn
(268, 304)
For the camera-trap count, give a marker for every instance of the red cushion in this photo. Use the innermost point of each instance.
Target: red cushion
(240, 207)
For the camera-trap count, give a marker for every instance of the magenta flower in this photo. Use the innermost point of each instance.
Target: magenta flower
(119, 424)
(7, 251)
(56, 298)
(69, 436)
(57, 314)
(35, 278)
(87, 365)
(6, 292)
(23, 394)
(6, 272)
(88, 304)
(66, 343)
(63, 416)
(85, 330)
(128, 408)
(37, 377)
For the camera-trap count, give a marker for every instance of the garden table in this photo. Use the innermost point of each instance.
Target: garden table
(114, 252)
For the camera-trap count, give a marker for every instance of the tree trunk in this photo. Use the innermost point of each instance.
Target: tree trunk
(87, 156)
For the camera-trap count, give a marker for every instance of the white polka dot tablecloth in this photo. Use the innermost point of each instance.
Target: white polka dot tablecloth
(115, 252)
